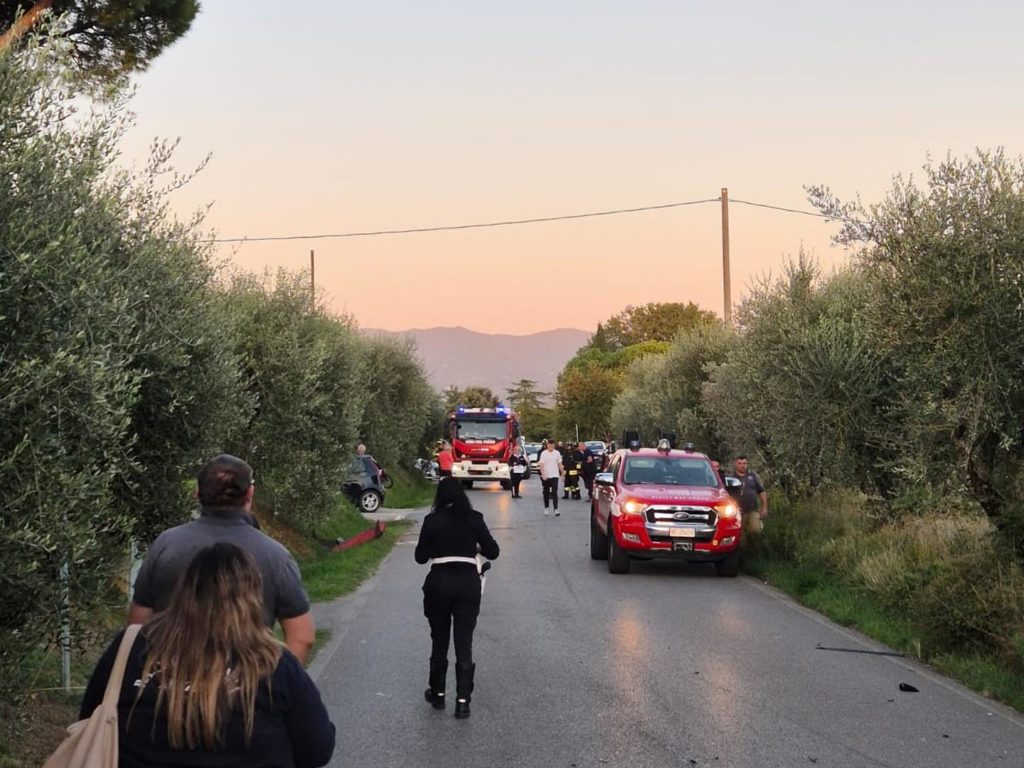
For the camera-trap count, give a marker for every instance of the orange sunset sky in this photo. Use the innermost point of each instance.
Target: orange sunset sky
(365, 116)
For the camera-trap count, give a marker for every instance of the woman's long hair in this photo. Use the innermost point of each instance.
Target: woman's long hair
(211, 648)
(451, 495)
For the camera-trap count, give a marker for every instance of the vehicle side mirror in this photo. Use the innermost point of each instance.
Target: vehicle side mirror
(733, 483)
(604, 478)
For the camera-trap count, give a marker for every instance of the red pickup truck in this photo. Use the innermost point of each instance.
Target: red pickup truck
(663, 503)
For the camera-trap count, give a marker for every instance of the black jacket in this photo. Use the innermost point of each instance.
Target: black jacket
(448, 532)
(291, 727)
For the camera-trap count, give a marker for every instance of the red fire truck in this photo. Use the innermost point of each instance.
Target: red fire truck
(482, 442)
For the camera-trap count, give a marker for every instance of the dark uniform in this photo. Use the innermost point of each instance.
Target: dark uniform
(451, 594)
(573, 462)
(589, 466)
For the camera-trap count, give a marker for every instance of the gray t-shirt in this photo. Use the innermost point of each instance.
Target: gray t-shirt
(749, 490)
(284, 597)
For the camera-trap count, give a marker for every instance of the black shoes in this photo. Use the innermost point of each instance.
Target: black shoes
(435, 693)
(464, 688)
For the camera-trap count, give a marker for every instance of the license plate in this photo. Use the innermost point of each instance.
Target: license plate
(682, 546)
(681, 533)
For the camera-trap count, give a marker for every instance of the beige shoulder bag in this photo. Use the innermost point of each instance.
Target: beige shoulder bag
(92, 743)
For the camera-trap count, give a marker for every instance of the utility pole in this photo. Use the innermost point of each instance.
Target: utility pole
(312, 277)
(726, 282)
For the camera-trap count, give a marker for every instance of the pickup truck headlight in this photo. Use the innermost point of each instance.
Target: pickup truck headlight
(632, 507)
(728, 511)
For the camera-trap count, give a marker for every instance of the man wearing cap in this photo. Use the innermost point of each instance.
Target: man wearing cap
(225, 490)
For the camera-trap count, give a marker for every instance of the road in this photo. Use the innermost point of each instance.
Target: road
(666, 666)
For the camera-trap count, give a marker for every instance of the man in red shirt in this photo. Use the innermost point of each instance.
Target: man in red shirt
(445, 459)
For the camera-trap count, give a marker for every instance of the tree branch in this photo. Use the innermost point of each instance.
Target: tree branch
(24, 23)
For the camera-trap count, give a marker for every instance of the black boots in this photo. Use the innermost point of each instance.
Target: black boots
(435, 693)
(463, 689)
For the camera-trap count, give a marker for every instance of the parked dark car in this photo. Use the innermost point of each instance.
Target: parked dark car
(365, 484)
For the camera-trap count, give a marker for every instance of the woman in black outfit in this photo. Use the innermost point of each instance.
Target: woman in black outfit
(452, 534)
(208, 685)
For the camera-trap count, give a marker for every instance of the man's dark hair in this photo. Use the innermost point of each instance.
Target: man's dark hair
(224, 482)
(741, 456)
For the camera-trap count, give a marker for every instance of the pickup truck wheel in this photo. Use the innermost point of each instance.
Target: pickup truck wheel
(467, 484)
(598, 541)
(729, 566)
(506, 485)
(618, 560)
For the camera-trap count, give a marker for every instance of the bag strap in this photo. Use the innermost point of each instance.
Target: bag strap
(113, 691)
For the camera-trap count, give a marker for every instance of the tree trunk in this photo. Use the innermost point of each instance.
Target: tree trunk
(980, 465)
(24, 23)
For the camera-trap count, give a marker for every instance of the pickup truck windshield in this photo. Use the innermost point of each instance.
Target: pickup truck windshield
(669, 470)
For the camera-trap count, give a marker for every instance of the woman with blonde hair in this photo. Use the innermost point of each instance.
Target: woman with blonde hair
(208, 684)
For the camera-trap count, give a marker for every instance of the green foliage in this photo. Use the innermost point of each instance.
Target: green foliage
(401, 404)
(305, 373)
(109, 38)
(524, 395)
(471, 397)
(805, 388)
(663, 391)
(111, 370)
(584, 400)
(124, 365)
(946, 263)
(953, 584)
(650, 322)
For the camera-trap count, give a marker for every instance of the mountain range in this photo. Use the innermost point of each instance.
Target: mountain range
(461, 357)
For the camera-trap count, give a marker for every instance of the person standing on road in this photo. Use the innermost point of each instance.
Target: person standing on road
(753, 497)
(225, 490)
(588, 468)
(207, 683)
(517, 465)
(445, 460)
(551, 471)
(452, 535)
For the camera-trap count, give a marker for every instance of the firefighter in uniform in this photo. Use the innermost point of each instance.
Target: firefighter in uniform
(452, 535)
(573, 460)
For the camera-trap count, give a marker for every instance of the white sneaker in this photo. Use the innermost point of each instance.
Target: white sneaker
(557, 513)
(546, 513)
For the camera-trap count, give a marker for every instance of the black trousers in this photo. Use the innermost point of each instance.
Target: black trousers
(451, 600)
(517, 478)
(551, 491)
(588, 481)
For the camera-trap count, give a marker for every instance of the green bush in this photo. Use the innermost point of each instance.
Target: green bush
(113, 383)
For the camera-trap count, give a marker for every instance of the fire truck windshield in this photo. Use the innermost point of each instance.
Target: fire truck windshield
(480, 430)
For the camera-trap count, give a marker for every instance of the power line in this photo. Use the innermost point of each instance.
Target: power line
(515, 222)
(780, 208)
(452, 227)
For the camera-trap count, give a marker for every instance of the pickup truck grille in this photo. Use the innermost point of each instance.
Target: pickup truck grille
(666, 514)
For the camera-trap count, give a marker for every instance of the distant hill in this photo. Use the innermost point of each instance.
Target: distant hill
(463, 357)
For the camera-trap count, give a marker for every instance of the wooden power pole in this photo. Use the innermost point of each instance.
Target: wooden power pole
(312, 276)
(726, 282)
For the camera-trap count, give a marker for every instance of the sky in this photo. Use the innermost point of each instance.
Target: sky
(343, 117)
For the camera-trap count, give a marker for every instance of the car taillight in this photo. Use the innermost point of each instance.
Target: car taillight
(727, 511)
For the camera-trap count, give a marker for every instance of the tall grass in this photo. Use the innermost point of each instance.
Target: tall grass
(941, 585)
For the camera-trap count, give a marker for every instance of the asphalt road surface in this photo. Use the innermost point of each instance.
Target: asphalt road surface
(668, 665)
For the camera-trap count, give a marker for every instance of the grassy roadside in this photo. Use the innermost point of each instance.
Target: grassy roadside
(410, 490)
(832, 574)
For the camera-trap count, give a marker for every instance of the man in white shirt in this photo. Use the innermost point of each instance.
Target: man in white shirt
(551, 470)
